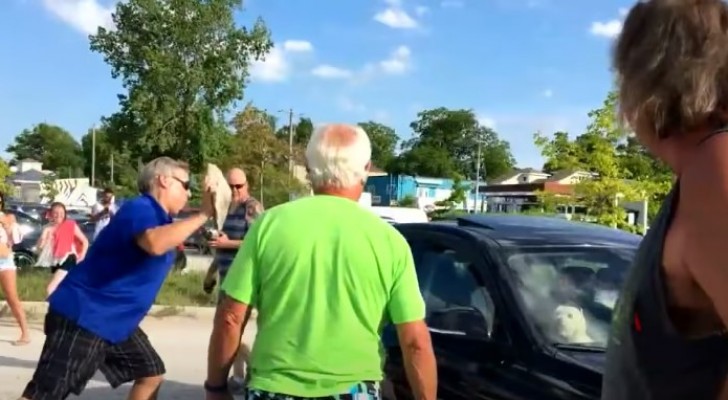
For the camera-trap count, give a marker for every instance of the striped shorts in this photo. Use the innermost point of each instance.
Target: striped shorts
(71, 356)
(361, 391)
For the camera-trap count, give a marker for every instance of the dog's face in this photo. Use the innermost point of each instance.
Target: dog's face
(570, 324)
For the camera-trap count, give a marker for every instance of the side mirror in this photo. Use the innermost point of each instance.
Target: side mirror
(460, 321)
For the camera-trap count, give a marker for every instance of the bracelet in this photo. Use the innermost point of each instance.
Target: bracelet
(216, 389)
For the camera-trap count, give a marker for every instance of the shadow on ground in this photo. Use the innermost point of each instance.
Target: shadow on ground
(98, 388)
(171, 390)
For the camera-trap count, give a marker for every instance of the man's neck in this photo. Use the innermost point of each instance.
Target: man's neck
(156, 195)
(351, 193)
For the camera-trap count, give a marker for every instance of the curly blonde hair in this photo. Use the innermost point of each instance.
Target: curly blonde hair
(671, 61)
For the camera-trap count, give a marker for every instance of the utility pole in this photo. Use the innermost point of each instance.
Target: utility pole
(477, 177)
(290, 146)
(112, 169)
(93, 155)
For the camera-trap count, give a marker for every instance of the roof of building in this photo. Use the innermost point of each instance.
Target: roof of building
(31, 175)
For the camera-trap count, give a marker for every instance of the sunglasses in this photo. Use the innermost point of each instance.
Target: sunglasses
(237, 186)
(185, 184)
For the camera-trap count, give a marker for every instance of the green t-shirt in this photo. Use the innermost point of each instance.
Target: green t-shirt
(325, 275)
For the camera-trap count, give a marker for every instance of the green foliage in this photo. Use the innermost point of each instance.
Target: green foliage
(445, 143)
(49, 189)
(264, 157)
(5, 187)
(458, 195)
(302, 132)
(182, 290)
(183, 64)
(51, 145)
(384, 142)
(408, 201)
(623, 167)
(550, 201)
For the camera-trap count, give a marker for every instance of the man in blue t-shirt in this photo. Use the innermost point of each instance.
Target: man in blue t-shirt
(94, 314)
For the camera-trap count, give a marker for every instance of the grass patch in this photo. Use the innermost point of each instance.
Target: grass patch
(179, 290)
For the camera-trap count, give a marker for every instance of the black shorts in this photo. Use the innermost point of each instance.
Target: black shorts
(66, 265)
(71, 356)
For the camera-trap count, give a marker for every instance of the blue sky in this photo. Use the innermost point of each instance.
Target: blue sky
(522, 65)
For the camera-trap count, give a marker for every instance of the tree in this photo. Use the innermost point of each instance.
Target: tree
(302, 132)
(263, 156)
(108, 157)
(51, 145)
(49, 190)
(445, 142)
(183, 64)
(624, 170)
(384, 142)
(5, 187)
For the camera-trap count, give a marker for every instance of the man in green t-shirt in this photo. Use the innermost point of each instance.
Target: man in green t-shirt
(325, 275)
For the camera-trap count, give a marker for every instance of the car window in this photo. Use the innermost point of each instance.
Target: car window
(569, 293)
(454, 301)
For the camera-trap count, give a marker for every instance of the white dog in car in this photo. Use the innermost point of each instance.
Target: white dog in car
(570, 325)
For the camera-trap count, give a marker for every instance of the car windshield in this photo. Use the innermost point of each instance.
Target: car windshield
(568, 293)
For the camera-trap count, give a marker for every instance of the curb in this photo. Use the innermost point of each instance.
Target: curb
(38, 309)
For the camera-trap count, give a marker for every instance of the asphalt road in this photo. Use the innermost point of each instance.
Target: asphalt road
(181, 341)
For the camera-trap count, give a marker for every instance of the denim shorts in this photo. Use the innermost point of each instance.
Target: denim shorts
(7, 264)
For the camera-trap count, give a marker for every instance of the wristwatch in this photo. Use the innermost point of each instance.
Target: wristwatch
(216, 389)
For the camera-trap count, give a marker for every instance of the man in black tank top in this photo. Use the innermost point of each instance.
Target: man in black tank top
(668, 338)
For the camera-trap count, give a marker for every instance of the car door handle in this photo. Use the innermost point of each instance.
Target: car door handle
(446, 332)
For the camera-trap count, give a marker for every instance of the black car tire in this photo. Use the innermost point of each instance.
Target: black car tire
(24, 259)
(180, 261)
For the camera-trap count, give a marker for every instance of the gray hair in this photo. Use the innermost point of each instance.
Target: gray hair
(337, 156)
(160, 166)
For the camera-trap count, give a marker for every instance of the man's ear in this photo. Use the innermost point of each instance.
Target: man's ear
(368, 167)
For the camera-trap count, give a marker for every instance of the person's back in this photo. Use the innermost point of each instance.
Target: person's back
(330, 266)
(668, 339)
(325, 275)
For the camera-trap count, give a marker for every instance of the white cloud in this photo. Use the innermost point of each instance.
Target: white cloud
(297, 46)
(609, 29)
(276, 67)
(331, 72)
(421, 10)
(548, 93)
(486, 121)
(395, 17)
(85, 16)
(398, 62)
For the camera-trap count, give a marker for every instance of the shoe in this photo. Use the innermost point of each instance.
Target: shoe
(236, 385)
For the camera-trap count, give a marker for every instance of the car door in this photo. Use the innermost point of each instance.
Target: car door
(475, 355)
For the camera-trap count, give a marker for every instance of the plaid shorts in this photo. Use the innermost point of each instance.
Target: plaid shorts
(71, 356)
(361, 391)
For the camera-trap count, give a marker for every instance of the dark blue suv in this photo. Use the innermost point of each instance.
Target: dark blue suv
(518, 307)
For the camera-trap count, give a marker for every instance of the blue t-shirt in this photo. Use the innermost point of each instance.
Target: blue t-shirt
(113, 288)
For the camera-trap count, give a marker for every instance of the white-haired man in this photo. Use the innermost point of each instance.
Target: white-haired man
(93, 316)
(325, 275)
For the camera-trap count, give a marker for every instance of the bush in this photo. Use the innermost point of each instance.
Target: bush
(179, 290)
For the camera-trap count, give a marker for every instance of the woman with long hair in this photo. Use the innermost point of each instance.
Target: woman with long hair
(62, 244)
(10, 234)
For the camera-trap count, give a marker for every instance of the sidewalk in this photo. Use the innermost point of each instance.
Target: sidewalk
(180, 340)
